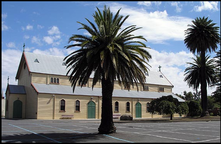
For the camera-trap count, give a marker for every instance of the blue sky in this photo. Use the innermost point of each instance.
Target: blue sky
(45, 28)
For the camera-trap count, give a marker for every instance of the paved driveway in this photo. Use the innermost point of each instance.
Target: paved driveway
(86, 131)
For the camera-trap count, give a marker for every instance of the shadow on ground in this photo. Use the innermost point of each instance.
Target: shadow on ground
(52, 138)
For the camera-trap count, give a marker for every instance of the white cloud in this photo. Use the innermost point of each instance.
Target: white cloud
(26, 36)
(157, 3)
(206, 6)
(36, 13)
(29, 27)
(169, 58)
(40, 26)
(29, 49)
(4, 26)
(51, 51)
(54, 30)
(145, 3)
(173, 66)
(157, 26)
(149, 3)
(48, 40)
(4, 16)
(176, 4)
(36, 40)
(54, 37)
(54, 40)
(11, 45)
(10, 62)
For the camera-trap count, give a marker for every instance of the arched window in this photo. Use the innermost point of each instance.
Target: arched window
(77, 105)
(148, 106)
(116, 107)
(62, 108)
(58, 80)
(127, 107)
(51, 80)
(54, 80)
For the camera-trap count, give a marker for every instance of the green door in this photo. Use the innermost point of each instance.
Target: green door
(17, 109)
(91, 109)
(138, 110)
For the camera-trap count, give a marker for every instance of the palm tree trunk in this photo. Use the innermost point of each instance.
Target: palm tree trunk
(107, 125)
(203, 85)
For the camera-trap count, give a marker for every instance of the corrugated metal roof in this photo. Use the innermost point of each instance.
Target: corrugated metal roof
(49, 64)
(68, 90)
(157, 78)
(16, 89)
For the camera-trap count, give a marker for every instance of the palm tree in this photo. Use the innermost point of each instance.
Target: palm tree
(202, 36)
(193, 72)
(112, 55)
(217, 92)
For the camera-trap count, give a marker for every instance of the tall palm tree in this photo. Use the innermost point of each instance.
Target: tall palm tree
(193, 72)
(217, 92)
(112, 54)
(202, 36)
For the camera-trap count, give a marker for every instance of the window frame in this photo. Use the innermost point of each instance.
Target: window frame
(62, 105)
(77, 106)
(161, 89)
(54, 80)
(116, 107)
(146, 88)
(127, 107)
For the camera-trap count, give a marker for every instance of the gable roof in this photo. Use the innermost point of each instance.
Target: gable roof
(87, 91)
(48, 64)
(16, 89)
(157, 78)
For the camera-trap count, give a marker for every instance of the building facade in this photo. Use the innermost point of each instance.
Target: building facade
(44, 92)
(3, 106)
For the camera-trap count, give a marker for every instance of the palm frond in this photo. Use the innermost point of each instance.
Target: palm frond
(109, 53)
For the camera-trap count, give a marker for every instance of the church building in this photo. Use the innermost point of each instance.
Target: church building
(44, 92)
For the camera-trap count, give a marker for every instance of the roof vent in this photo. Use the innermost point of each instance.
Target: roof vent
(161, 76)
(36, 60)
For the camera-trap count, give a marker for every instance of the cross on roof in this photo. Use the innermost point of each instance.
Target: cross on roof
(24, 47)
(159, 68)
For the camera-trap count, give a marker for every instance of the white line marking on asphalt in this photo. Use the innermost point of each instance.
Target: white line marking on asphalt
(118, 138)
(205, 140)
(61, 128)
(163, 137)
(35, 133)
(186, 133)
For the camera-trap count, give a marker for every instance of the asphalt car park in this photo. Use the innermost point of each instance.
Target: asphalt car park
(86, 131)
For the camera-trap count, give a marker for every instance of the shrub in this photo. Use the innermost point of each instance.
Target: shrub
(182, 108)
(126, 117)
(194, 108)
